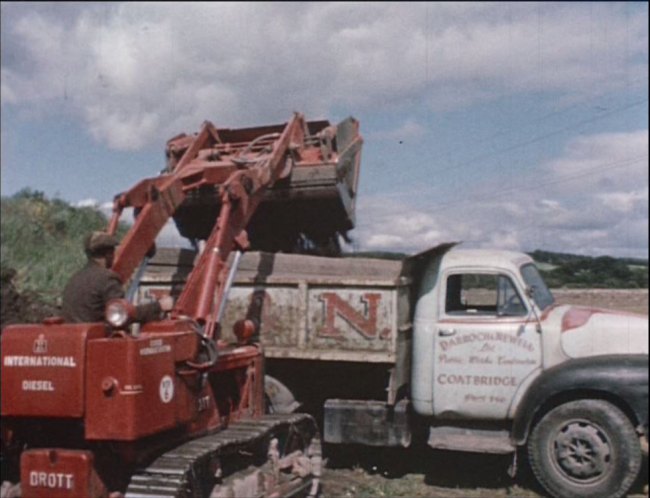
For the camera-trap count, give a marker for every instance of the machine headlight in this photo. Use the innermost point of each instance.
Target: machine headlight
(119, 313)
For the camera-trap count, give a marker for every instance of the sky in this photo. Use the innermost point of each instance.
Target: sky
(509, 125)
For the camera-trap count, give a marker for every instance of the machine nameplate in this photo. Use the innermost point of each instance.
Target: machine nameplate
(203, 403)
(156, 346)
(52, 480)
(40, 361)
(166, 389)
(37, 385)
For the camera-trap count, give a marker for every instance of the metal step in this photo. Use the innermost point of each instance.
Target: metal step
(473, 440)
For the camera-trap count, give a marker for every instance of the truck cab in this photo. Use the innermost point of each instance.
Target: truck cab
(486, 326)
(498, 365)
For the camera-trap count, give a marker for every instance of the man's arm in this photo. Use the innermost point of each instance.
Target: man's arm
(143, 312)
(147, 312)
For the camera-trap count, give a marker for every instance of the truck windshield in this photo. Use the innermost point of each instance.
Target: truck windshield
(541, 295)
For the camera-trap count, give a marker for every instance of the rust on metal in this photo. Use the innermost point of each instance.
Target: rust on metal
(307, 307)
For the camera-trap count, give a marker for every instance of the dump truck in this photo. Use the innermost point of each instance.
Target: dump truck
(460, 349)
(170, 408)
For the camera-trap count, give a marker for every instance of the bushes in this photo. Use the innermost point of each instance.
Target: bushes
(42, 240)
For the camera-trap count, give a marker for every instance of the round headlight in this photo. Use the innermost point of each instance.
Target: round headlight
(117, 313)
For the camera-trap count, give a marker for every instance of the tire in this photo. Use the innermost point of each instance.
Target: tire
(585, 448)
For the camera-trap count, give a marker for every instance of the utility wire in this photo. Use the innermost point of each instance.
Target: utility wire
(521, 144)
(546, 135)
(508, 131)
(624, 163)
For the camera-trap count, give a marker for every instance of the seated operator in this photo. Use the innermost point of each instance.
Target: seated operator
(87, 292)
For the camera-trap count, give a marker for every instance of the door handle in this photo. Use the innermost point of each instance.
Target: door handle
(446, 332)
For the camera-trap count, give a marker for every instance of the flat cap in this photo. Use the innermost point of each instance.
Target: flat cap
(98, 241)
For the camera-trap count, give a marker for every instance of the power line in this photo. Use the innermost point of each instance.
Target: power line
(547, 135)
(507, 131)
(522, 144)
(624, 163)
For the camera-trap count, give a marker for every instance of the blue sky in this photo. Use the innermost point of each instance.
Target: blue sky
(510, 125)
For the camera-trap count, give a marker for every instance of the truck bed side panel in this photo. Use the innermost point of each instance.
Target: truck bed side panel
(336, 309)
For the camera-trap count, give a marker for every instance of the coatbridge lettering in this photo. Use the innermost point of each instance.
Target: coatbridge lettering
(365, 325)
(40, 361)
(476, 380)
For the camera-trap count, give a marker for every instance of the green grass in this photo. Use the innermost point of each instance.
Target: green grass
(42, 240)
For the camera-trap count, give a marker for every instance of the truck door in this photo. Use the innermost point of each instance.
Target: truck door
(486, 344)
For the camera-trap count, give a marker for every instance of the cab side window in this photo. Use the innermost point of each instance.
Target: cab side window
(482, 294)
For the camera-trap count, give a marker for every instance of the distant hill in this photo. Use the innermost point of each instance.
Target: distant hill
(571, 270)
(41, 246)
(558, 258)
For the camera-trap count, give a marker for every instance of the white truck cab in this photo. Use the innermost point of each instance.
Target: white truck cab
(486, 326)
(568, 383)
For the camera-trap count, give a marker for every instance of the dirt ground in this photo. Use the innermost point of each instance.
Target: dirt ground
(359, 473)
(362, 473)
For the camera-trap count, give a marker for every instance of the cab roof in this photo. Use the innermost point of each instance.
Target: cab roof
(510, 260)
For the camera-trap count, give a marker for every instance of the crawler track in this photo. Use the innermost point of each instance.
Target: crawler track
(234, 461)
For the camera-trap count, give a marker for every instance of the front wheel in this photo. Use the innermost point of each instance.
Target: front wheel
(585, 448)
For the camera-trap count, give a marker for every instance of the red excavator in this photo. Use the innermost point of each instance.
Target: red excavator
(167, 408)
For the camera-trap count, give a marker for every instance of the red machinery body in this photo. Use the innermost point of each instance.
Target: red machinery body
(52, 473)
(123, 389)
(90, 411)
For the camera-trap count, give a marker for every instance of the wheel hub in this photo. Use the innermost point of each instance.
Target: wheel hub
(582, 451)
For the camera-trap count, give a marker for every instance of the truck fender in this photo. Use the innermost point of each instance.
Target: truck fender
(621, 379)
(280, 399)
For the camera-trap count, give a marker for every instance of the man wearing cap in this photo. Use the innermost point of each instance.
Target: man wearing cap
(87, 292)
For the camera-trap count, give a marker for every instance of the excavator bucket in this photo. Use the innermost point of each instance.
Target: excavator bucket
(305, 211)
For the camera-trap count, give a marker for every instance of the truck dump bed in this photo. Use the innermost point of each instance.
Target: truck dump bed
(308, 307)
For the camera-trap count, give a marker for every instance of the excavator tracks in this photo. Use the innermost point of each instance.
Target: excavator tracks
(278, 455)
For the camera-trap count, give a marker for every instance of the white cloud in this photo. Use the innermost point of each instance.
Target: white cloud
(409, 130)
(383, 241)
(169, 236)
(625, 202)
(87, 203)
(138, 72)
(394, 226)
(591, 200)
(606, 162)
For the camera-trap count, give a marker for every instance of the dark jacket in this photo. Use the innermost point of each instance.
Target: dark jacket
(87, 292)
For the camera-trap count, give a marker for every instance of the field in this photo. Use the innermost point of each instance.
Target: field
(635, 301)
(363, 473)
